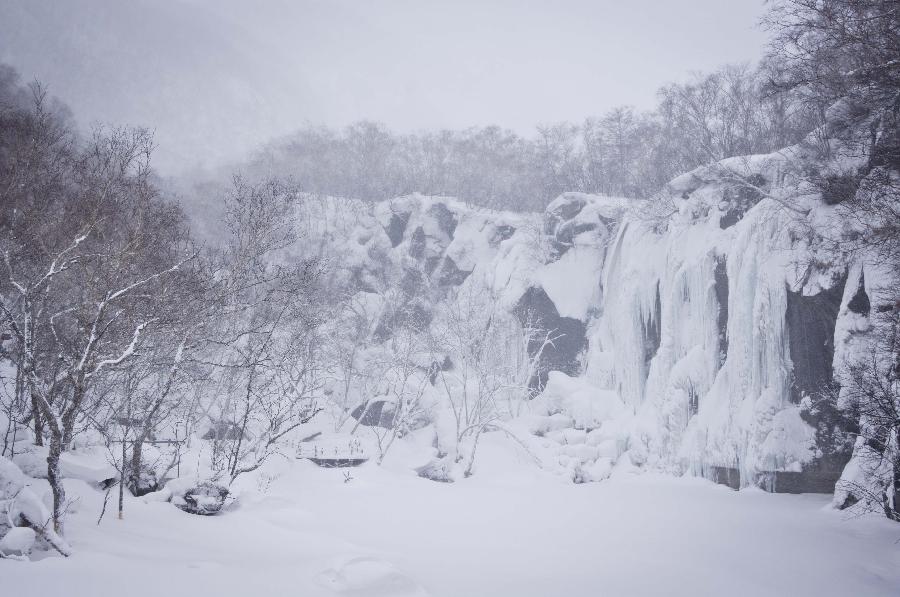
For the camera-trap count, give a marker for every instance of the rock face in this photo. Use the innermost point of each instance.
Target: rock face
(810, 324)
(568, 336)
(375, 414)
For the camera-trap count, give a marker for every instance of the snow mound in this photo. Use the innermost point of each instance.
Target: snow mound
(17, 541)
(86, 464)
(372, 577)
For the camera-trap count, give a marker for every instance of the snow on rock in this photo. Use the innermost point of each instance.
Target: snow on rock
(572, 282)
(86, 464)
(12, 479)
(585, 404)
(22, 507)
(17, 541)
(205, 498)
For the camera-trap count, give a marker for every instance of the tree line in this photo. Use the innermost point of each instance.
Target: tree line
(625, 152)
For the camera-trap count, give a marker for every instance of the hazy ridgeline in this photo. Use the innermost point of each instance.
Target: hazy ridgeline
(627, 153)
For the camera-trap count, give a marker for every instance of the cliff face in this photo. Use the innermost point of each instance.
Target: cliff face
(691, 330)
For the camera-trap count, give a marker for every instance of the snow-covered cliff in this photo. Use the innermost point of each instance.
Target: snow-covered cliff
(690, 330)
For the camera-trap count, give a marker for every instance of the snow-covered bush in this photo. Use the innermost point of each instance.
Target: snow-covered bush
(21, 508)
(205, 499)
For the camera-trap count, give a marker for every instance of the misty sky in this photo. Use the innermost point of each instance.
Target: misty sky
(215, 78)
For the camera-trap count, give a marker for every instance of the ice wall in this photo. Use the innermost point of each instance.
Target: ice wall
(714, 315)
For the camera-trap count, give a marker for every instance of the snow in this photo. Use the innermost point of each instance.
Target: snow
(586, 404)
(658, 392)
(20, 504)
(87, 463)
(572, 282)
(514, 530)
(17, 541)
(368, 575)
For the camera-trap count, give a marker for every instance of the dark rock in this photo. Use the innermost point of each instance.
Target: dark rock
(725, 475)
(567, 231)
(837, 188)
(338, 462)
(412, 282)
(836, 433)
(809, 480)
(224, 430)
(143, 483)
(652, 330)
(446, 220)
(503, 232)
(397, 227)
(417, 244)
(810, 322)
(431, 264)
(738, 199)
(413, 314)
(361, 280)
(860, 303)
(693, 400)
(567, 209)
(416, 314)
(449, 274)
(720, 287)
(436, 367)
(886, 150)
(377, 413)
(537, 311)
(206, 499)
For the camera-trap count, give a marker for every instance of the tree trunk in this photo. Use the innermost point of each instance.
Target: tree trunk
(38, 421)
(53, 476)
(137, 452)
(122, 476)
(895, 501)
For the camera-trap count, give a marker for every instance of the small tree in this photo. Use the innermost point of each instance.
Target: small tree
(492, 359)
(404, 379)
(869, 394)
(266, 347)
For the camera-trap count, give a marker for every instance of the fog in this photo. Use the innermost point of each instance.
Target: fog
(215, 79)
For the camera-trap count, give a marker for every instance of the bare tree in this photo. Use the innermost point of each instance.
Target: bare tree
(266, 348)
(491, 361)
(89, 251)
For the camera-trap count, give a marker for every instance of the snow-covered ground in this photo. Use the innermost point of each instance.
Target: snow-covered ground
(509, 530)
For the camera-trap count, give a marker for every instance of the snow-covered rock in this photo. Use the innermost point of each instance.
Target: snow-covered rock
(17, 541)
(22, 507)
(205, 498)
(87, 464)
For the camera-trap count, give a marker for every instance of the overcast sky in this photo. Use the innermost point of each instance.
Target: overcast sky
(216, 78)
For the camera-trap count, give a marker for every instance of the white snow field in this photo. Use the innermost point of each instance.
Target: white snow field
(512, 529)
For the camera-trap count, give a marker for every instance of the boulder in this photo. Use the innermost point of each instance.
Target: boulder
(17, 542)
(205, 499)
